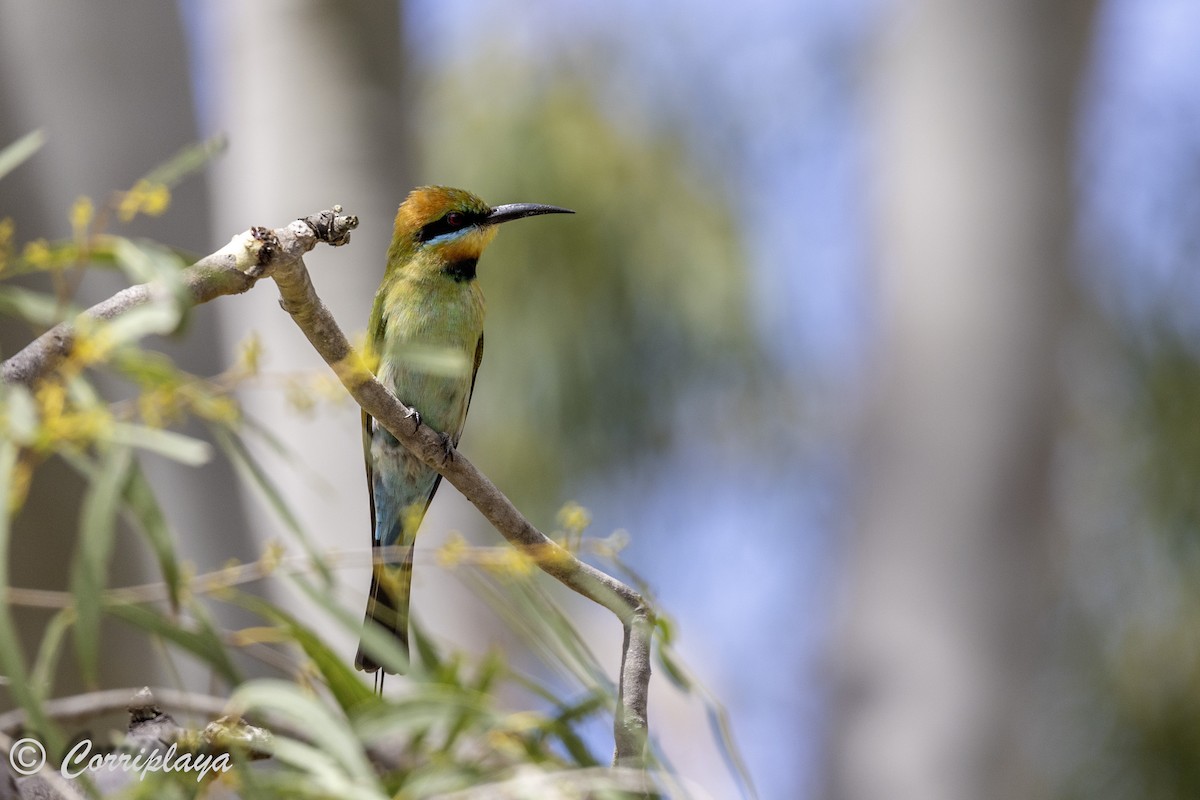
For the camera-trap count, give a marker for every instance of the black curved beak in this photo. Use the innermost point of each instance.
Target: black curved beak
(511, 211)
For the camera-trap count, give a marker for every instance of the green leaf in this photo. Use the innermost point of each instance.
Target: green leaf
(203, 641)
(42, 676)
(12, 658)
(20, 413)
(150, 262)
(429, 656)
(675, 672)
(344, 682)
(337, 762)
(19, 151)
(666, 629)
(381, 643)
(718, 719)
(572, 741)
(263, 434)
(534, 616)
(245, 463)
(147, 367)
(489, 670)
(209, 634)
(135, 261)
(89, 572)
(431, 708)
(36, 308)
(253, 473)
(82, 393)
(175, 446)
(325, 778)
(143, 507)
(188, 160)
(159, 316)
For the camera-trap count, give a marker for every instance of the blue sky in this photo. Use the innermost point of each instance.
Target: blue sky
(1140, 163)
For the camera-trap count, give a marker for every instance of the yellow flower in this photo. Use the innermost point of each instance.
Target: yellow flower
(262, 634)
(158, 406)
(507, 736)
(272, 556)
(357, 367)
(217, 408)
(127, 207)
(60, 423)
(250, 353)
(523, 721)
(82, 213)
(299, 396)
(51, 397)
(510, 562)
(38, 254)
(574, 518)
(156, 200)
(91, 346)
(366, 350)
(18, 488)
(145, 198)
(453, 552)
(7, 228)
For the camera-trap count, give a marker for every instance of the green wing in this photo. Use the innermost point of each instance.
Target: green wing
(471, 393)
(368, 426)
(367, 429)
(375, 336)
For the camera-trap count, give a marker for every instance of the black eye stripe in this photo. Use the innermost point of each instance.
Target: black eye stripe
(450, 222)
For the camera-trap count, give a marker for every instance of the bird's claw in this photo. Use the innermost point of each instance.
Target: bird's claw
(415, 416)
(447, 446)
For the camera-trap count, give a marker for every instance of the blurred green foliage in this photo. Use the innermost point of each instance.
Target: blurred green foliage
(333, 736)
(1167, 375)
(1134, 653)
(608, 319)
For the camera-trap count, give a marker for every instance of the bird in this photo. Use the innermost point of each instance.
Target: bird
(426, 327)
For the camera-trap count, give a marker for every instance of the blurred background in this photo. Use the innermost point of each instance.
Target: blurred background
(875, 332)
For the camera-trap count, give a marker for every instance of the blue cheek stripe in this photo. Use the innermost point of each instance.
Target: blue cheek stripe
(446, 238)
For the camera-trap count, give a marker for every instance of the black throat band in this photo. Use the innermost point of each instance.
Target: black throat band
(462, 270)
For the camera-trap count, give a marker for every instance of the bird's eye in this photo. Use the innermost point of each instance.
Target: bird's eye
(456, 219)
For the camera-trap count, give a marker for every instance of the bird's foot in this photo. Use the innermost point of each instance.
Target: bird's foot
(447, 446)
(415, 416)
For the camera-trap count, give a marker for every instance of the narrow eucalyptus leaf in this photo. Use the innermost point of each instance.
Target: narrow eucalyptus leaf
(174, 446)
(20, 151)
(89, 570)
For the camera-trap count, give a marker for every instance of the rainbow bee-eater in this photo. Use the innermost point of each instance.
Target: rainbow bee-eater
(427, 329)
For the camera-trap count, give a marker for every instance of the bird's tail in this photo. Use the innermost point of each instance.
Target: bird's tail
(387, 606)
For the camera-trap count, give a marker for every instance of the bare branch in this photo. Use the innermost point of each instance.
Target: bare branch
(82, 707)
(46, 783)
(299, 298)
(233, 269)
(631, 725)
(278, 254)
(270, 564)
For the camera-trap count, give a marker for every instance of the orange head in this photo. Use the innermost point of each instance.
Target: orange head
(443, 229)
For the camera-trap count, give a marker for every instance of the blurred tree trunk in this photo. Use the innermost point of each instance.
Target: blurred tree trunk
(313, 96)
(948, 584)
(108, 83)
